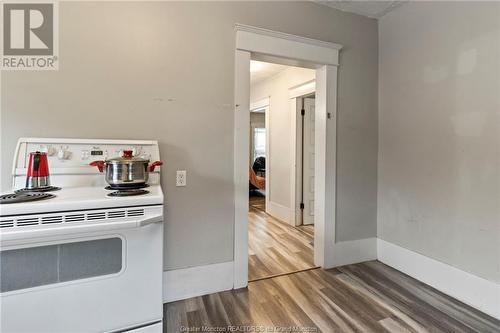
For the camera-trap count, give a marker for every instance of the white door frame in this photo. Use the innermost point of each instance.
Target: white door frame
(285, 48)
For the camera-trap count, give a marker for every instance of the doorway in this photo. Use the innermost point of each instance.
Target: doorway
(259, 148)
(264, 45)
(278, 242)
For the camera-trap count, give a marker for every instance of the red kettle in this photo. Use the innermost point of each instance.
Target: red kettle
(38, 171)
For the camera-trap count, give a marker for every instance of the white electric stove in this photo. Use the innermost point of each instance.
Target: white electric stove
(82, 260)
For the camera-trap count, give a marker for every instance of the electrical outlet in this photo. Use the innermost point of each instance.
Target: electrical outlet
(180, 179)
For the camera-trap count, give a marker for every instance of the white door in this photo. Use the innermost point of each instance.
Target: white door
(308, 162)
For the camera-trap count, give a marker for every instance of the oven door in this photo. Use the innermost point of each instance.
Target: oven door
(103, 280)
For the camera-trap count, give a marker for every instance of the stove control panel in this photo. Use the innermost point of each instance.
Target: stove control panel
(78, 153)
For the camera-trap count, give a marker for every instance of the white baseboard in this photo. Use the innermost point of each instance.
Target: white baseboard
(353, 252)
(278, 211)
(477, 292)
(197, 281)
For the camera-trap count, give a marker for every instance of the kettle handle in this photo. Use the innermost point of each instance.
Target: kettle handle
(98, 164)
(154, 165)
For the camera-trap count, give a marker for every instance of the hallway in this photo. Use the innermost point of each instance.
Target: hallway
(274, 247)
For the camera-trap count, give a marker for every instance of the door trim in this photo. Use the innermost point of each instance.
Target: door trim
(306, 52)
(261, 104)
(303, 89)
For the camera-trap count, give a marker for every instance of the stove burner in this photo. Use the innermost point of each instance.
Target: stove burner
(125, 187)
(41, 189)
(126, 193)
(24, 197)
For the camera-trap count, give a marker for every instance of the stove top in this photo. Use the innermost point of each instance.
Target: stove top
(41, 189)
(82, 186)
(81, 198)
(127, 193)
(24, 197)
(125, 188)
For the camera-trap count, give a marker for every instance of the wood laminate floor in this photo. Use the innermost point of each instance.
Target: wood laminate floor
(275, 247)
(367, 297)
(257, 201)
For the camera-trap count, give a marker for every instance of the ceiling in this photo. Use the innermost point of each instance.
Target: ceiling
(373, 9)
(260, 71)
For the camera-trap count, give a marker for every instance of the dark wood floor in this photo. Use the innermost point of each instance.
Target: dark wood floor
(367, 297)
(275, 247)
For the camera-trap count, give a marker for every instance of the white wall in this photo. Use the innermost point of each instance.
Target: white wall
(280, 133)
(121, 62)
(439, 133)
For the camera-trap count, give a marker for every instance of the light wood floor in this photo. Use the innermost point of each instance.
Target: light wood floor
(367, 297)
(275, 247)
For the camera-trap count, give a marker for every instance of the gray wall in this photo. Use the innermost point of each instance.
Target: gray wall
(120, 62)
(439, 153)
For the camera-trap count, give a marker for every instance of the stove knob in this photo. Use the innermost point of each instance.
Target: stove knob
(51, 151)
(63, 154)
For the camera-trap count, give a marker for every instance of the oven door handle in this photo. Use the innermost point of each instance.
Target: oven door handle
(151, 220)
(19, 236)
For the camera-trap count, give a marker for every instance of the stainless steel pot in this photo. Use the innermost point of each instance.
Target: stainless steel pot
(127, 170)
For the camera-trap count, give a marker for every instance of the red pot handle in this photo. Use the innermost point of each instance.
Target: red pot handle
(127, 153)
(98, 164)
(154, 165)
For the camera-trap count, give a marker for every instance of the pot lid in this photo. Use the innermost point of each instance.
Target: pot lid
(127, 157)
